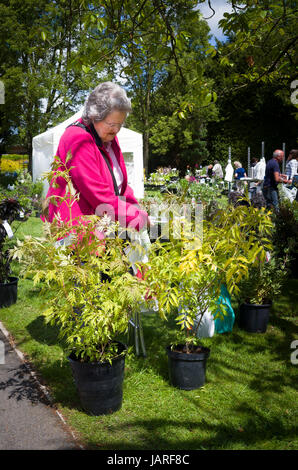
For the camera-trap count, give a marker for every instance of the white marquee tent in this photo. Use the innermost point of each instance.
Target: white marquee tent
(45, 147)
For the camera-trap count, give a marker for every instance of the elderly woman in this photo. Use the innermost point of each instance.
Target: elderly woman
(217, 170)
(98, 170)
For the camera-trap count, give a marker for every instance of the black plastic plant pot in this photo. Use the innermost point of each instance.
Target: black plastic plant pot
(254, 318)
(99, 385)
(9, 292)
(187, 371)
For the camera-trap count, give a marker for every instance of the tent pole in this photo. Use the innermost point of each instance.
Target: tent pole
(283, 162)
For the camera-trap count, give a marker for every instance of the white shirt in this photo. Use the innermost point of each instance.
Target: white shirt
(258, 171)
(217, 170)
(116, 167)
(291, 168)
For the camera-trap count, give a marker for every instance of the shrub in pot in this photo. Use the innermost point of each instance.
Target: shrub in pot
(264, 283)
(92, 295)
(187, 273)
(9, 211)
(37, 204)
(285, 234)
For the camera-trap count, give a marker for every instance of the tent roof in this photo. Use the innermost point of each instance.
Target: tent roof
(125, 135)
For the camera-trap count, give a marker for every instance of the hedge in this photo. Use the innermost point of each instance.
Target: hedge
(14, 156)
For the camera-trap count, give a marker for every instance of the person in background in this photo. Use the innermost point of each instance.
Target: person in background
(97, 167)
(257, 174)
(217, 170)
(254, 165)
(239, 173)
(254, 161)
(209, 170)
(292, 165)
(272, 177)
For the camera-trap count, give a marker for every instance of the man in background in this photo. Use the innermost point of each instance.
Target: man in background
(272, 178)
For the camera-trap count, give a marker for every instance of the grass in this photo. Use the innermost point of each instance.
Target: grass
(249, 400)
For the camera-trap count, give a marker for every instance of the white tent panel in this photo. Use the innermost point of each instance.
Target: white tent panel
(45, 147)
(131, 144)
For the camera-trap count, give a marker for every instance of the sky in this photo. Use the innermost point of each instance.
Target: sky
(220, 7)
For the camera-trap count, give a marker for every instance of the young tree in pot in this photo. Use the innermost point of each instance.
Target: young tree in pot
(188, 274)
(92, 294)
(9, 211)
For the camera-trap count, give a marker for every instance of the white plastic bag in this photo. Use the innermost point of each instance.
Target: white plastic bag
(207, 325)
(206, 328)
(137, 252)
(287, 193)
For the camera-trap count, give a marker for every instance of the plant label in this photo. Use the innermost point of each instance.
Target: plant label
(7, 228)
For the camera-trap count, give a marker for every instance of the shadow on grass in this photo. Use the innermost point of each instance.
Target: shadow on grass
(274, 344)
(56, 373)
(44, 333)
(287, 303)
(257, 432)
(59, 376)
(157, 335)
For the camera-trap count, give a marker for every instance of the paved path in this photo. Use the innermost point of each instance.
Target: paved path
(27, 420)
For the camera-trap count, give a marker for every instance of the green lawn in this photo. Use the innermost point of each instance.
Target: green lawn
(249, 400)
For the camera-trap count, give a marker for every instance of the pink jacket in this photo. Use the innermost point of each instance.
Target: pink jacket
(92, 179)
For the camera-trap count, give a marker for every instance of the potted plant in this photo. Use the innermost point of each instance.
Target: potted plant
(285, 235)
(92, 296)
(187, 274)
(37, 203)
(257, 292)
(9, 211)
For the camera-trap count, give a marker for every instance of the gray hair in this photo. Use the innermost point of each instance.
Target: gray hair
(277, 153)
(104, 99)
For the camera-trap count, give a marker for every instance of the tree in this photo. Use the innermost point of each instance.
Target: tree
(54, 52)
(40, 65)
(265, 31)
(148, 42)
(171, 104)
(254, 100)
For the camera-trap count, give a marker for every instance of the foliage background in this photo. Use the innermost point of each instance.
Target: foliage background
(191, 99)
